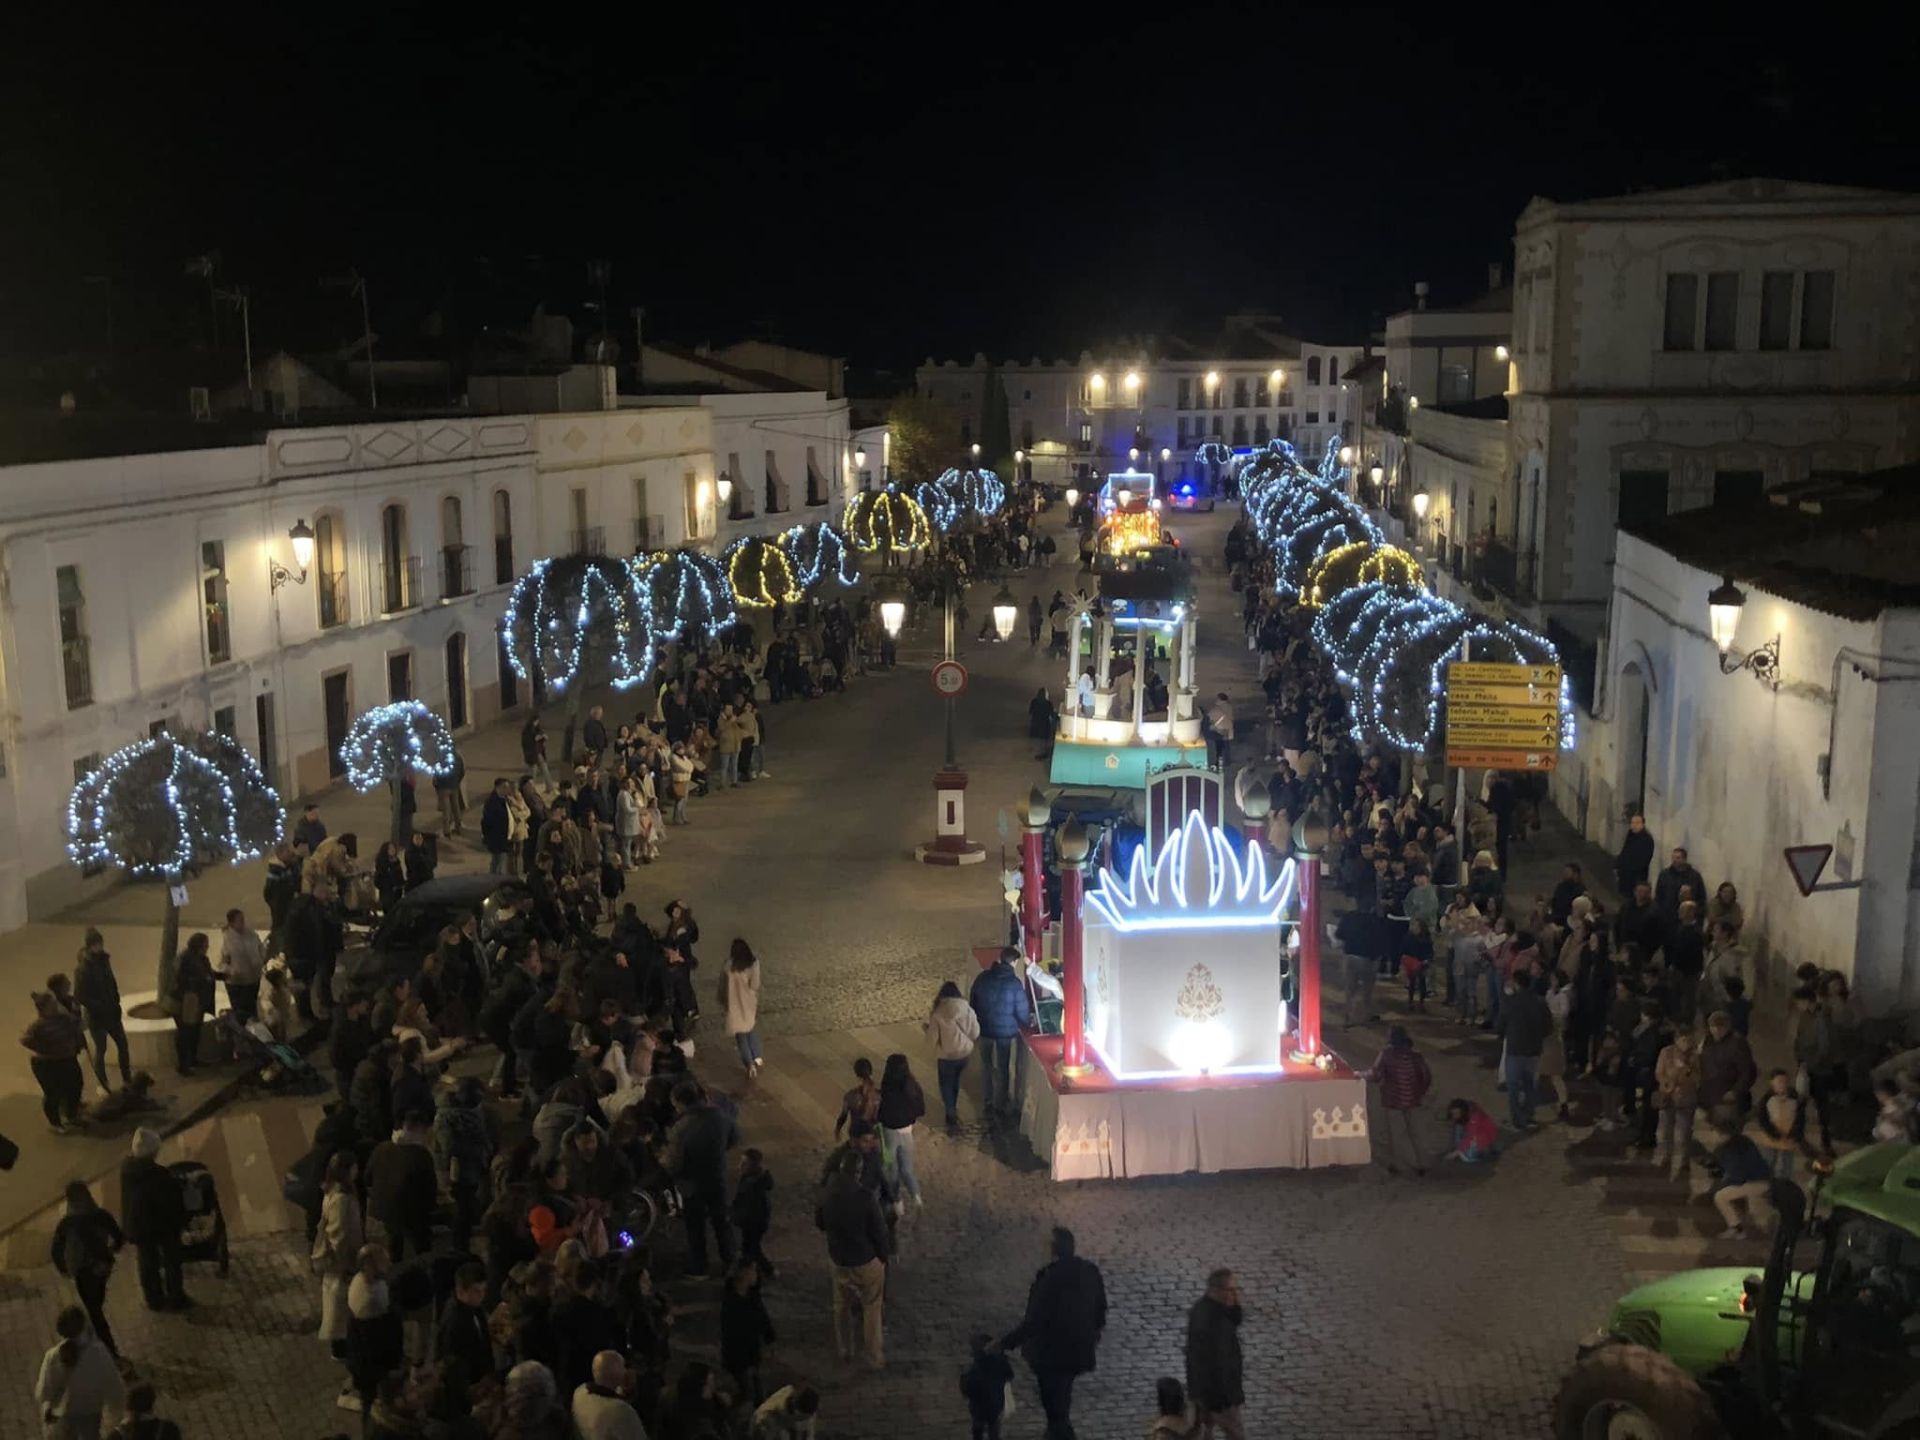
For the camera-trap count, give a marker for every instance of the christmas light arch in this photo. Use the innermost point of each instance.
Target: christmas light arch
(691, 599)
(388, 740)
(886, 520)
(761, 574)
(1361, 562)
(568, 609)
(819, 554)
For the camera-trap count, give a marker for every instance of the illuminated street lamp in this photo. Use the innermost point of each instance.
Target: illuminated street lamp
(1097, 381)
(301, 535)
(1500, 352)
(1019, 457)
(1413, 402)
(1165, 453)
(1132, 382)
(1421, 500)
(1133, 454)
(1723, 613)
(1276, 378)
(723, 487)
(1346, 455)
(976, 450)
(1073, 497)
(1377, 474)
(892, 596)
(1006, 610)
(1213, 380)
(860, 457)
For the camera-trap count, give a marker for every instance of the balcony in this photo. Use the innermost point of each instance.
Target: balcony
(456, 572)
(503, 559)
(591, 541)
(333, 597)
(400, 584)
(1504, 572)
(77, 663)
(649, 533)
(816, 489)
(219, 633)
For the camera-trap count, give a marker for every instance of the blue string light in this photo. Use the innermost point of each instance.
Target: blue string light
(163, 807)
(563, 607)
(388, 740)
(690, 595)
(819, 553)
(942, 507)
(886, 520)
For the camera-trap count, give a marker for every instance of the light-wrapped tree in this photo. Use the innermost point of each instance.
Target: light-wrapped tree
(760, 573)
(166, 809)
(575, 619)
(385, 743)
(690, 596)
(887, 521)
(819, 554)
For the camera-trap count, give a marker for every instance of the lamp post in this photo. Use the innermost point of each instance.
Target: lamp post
(1309, 839)
(301, 537)
(950, 845)
(1071, 845)
(1724, 604)
(1006, 612)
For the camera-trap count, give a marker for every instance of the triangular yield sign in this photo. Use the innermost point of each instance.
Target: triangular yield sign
(1806, 862)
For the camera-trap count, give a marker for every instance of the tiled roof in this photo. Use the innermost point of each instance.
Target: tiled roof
(1840, 545)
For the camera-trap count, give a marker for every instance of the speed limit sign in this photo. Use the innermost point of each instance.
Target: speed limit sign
(950, 678)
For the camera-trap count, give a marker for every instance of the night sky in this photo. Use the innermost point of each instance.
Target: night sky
(882, 184)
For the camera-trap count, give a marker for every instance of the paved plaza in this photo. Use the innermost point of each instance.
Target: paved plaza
(1443, 1307)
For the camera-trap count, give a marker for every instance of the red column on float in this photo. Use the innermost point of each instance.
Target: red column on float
(1307, 1028)
(1033, 878)
(1073, 971)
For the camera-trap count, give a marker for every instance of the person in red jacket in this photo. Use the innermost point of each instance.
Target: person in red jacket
(1474, 1132)
(1404, 1080)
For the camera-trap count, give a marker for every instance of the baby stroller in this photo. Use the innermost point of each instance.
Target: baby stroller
(278, 1068)
(204, 1236)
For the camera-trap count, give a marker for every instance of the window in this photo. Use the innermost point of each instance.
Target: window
(1313, 370)
(157, 728)
(1180, 432)
(1723, 310)
(1186, 395)
(502, 538)
(1643, 496)
(400, 676)
(399, 571)
(1026, 394)
(1333, 369)
(213, 597)
(1456, 383)
(456, 576)
(1026, 434)
(1216, 427)
(582, 538)
(1683, 303)
(330, 568)
(1240, 394)
(1313, 417)
(1086, 435)
(1239, 429)
(1261, 431)
(690, 486)
(1816, 310)
(1733, 488)
(509, 681)
(225, 724)
(75, 661)
(1776, 310)
(85, 765)
(457, 681)
(1262, 395)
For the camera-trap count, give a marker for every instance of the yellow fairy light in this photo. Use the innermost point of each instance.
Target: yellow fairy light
(886, 520)
(1128, 530)
(1358, 563)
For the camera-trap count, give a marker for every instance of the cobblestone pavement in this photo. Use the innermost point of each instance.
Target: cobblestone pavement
(1445, 1307)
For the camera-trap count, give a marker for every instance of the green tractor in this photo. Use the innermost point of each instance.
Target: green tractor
(1826, 1347)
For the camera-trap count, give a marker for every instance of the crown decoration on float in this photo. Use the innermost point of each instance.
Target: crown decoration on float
(1196, 883)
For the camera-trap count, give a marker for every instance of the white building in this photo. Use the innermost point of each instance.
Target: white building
(1819, 748)
(1076, 420)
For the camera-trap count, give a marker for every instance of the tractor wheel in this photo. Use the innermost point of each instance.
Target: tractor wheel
(1627, 1392)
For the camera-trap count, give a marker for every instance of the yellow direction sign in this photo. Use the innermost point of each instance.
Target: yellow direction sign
(1503, 717)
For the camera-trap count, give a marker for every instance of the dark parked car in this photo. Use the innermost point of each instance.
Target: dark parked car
(409, 931)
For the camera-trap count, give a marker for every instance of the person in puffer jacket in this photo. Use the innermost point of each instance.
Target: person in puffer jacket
(1003, 1007)
(954, 1029)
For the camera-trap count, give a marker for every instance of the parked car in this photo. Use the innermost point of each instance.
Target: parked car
(409, 931)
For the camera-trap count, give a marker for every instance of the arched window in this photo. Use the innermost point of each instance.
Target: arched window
(502, 538)
(1313, 370)
(456, 576)
(399, 578)
(1333, 369)
(330, 566)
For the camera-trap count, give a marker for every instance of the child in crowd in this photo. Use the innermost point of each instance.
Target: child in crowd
(1416, 958)
(984, 1383)
(1174, 1421)
(1474, 1132)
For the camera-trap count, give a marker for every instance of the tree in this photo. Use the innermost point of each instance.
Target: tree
(574, 617)
(888, 521)
(819, 553)
(923, 440)
(760, 572)
(166, 809)
(386, 742)
(689, 596)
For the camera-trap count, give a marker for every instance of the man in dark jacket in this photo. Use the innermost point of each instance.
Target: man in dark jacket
(1634, 863)
(1525, 1023)
(1213, 1357)
(495, 823)
(496, 1017)
(857, 1246)
(1571, 887)
(313, 940)
(84, 1245)
(98, 990)
(1066, 1314)
(461, 1339)
(155, 1215)
(402, 1187)
(1001, 1002)
(348, 1040)
(1679, 874)
(697, 1156)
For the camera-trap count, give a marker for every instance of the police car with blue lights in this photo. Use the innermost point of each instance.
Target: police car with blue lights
(1188, 493)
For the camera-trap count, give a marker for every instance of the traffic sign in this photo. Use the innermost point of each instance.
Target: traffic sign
(1503, 717)
(950, 678)
(1806, 862)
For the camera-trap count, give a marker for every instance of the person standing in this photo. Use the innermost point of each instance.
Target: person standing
(496, 827)
(403, 1186)
(1676, 1079)
(954, 1029)
(1678, 876)
(154, 1215)
(1525, 1023)
(601, 1409)
(85, 1243)
(140, 1422)
(1635, 860)
(1214, 1373)
(336, 1249)
(79, 1381)
(902, 1104)
(1221, 729)
(98, 990)
(626, 822)
(697, 1159)
(857, 1245)
(1404, 1080)
(448, 789)
(52, 1040)
(243, 958)
(309, 830)
(1060, 1332)
(193, 1000)
(740, 1000)
(1002, 1007)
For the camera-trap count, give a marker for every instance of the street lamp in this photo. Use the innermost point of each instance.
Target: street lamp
(1421, 500)
(1346, 455)
(1276, 378)
(1133, 454)
(1132, 382)
(1073, 497)
(860, 457)
(723, 487)
(277, 574)
(1377, 474)
(1413, 402)
(892, 597)
(1500, 352)
(1724, 604)
(1097, 381)
(1213, 380)
(1123, 497)
(1006, 610)
(976, 450)
(1165, 453)
(1019, 457)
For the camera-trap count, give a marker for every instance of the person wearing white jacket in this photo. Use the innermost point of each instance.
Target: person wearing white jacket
(79, 1381)
(740, 993)
(954, 1029)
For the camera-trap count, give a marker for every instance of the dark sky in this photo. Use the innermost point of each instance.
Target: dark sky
(884, 183)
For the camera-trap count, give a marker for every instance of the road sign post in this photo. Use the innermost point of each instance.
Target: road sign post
(1806, 862)
(1503, 716)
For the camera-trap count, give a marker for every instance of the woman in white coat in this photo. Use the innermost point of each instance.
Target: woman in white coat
(336, 1250)
(740, 994)
(626, 823)
(954, 1030)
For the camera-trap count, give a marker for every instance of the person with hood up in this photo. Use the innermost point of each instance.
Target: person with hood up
(1002, 1006)
(954, 1029)
(79, 1380)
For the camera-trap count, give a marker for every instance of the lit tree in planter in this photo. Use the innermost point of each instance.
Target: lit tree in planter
(887, 521)
(760, 573)
(819, 554)
(689, 596)
(166, 809)
(575, 617)
(384, 743)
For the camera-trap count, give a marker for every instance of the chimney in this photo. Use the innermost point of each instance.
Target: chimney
(1419, 294)
(1496, 272)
